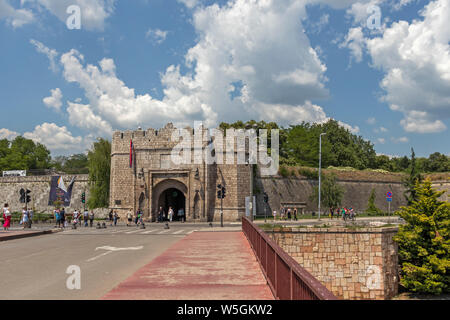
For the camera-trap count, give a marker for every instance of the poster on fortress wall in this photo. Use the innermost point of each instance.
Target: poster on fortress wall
(57, 194)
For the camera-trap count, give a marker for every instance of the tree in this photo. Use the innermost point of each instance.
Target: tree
(410, 181)
(330, 192)
(371, 207)
(23, 154)
(424, 242)
(99, 162)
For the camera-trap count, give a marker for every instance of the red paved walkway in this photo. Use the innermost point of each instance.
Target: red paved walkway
(203, 265)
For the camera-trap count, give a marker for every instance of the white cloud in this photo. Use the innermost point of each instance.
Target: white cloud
(51, 54)
(7, 134)
(54, 101)
(371, 121)
(400, 140)
(355, 42)
(353, 130)
(190, 3)
(381, 140)
(57, 139)
(15, 17)
(416, 59)
(238, 42)
(82, 116)
(93, 12)
(156, 35)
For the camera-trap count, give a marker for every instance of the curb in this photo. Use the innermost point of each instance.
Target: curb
(27, 235)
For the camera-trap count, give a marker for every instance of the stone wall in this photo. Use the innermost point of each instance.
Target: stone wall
(353, 264)
(356, 193)
(40, 191)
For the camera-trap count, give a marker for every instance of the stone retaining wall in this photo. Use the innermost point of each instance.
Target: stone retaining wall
(353, 264)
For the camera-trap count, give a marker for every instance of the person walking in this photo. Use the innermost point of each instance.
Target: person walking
(110, 215)
(85, 217)
(170, 214)
(62, 217)
(289, 214)
(57, 218)
(6, 217)
(91, 218)
(30, 218)
(274, 215)
(24, 219)
(295, 214)
(181, 215)
(161, 214)
(129, 218)
(116, 217)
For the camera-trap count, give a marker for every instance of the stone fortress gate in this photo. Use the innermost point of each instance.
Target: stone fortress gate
(149, 179)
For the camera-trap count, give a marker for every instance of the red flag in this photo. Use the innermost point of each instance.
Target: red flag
(131, 153)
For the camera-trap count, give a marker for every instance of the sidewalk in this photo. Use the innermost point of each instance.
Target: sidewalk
(18, 234)
(203, 265)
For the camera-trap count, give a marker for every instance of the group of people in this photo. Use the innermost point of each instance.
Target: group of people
(26, 219)
(286, 214)
(77, 217)
(171, 215)
(344, 212)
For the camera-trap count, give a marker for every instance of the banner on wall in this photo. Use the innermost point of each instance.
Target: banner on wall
(58, 191)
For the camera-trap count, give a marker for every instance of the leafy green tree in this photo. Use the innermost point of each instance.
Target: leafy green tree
(23, 154)
(371, 207)
(410, 181)
(424, 242)
(331, 193)
(99, 162)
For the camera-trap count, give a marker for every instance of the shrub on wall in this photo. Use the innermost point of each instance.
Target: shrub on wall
(283, 171)
(371, 207)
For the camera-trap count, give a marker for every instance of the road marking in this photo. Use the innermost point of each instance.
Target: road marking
(164, 231)
(191, 231)
(100, 255)
(112, 249)
(150, 231)
(179, 231)
(134, 231)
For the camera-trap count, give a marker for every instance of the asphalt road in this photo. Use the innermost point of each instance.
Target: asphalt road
(35, 268)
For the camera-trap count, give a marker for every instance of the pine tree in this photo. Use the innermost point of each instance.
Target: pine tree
(424, 242)
(411, 180)
(371, 207)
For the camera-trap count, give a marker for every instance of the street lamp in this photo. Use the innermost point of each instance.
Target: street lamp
(320, 164)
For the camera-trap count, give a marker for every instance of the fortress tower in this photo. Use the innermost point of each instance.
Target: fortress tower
(153, 180)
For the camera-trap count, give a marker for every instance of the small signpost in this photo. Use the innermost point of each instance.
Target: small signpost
(389, 200)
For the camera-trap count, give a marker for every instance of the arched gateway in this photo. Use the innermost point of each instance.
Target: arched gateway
(169, 193)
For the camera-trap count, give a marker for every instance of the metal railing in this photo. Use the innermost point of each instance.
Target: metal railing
(286, 278)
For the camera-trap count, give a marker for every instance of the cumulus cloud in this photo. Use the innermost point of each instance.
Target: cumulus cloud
(57, 139)
(156, 35)
(82, 116)
(371, 121)
(238, 43)
(15, 17)
(7, 134)
(94, 13)
(54, 101)
(400, 140)
(416, 60)
(51, 54)
(190, 3)
(354, 41)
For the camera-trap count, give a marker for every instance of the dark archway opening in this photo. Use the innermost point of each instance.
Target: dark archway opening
(172, 198)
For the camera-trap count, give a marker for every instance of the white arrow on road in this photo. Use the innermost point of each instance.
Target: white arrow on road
(112, 249)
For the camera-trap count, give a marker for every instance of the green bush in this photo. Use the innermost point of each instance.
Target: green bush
(283, 171)
(309, 173)
(372, 210)
(424, 242)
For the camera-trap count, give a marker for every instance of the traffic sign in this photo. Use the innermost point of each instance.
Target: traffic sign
(389, 199)
(389, 194)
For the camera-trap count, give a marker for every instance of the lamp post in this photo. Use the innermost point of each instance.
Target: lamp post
(320, 165)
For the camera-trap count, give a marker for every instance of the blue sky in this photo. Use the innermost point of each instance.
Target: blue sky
(148, 62)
